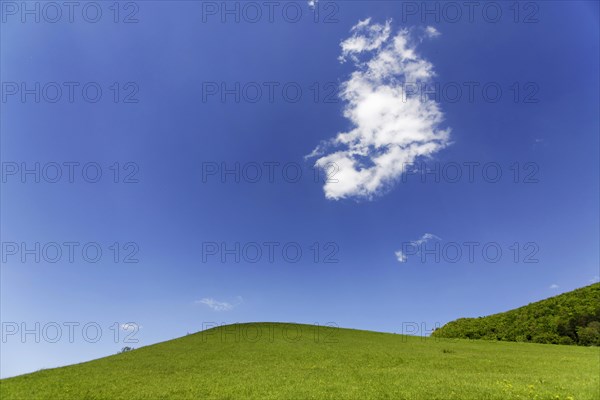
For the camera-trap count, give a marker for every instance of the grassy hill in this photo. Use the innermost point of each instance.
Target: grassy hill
(288, 361)
(569, 318)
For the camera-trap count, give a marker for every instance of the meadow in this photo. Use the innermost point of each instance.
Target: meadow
(291, 361)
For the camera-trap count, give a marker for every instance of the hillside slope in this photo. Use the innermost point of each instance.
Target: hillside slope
(288, 361)
(569, 318)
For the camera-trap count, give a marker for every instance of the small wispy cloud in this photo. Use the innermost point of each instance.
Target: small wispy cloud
(539, 143)
(432, 32)
(391, 127)
(130, 326)
(219, 305)
(554, 286)
(401, 256)
(595, 279)
(365, 37)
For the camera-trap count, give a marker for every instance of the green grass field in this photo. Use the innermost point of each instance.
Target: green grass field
(289, 361)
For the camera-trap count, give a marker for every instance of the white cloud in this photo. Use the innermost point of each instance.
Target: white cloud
(366, 37)
(391, 126)
(131, 326)
(219, 305)
(432, 32)
(554, 286)
(425, 238)
(595, 279)
(402, 257)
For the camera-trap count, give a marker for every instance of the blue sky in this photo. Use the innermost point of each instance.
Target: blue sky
(378, 241)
